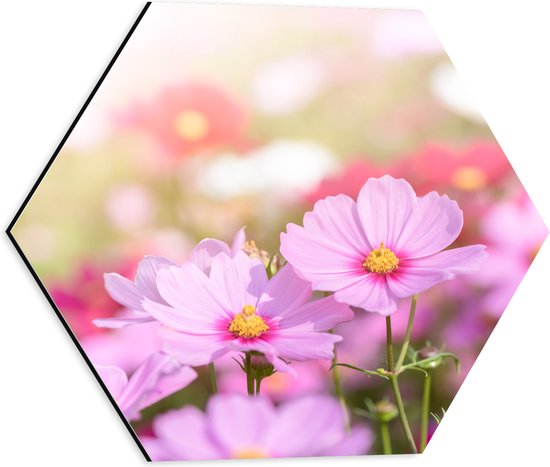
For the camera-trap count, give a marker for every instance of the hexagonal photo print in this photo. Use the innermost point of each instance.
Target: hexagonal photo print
(279, 231)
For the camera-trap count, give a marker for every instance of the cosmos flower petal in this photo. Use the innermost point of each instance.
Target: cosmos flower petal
(434, 224)
(284, 292)
(318, 315)
(114, 378)
(193, 350)
(185, 435)
(117, 323)
(369, 292)
(179, 319)
(464, 260)
(357, 442)
(410, 281)
(238, 423)
(326, 265)
(384, 205)
(336, 220)
(239, 241)
(241, 279)
(188, 290)
(146, 276)
(123, 291)
(298, 345)
(207, 249)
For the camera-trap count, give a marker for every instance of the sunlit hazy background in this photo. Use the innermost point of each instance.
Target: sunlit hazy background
(215, 117)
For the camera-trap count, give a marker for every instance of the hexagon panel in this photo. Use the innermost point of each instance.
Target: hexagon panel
(279, 232)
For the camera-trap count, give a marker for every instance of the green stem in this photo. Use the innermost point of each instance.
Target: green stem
(338, 390)
(425, 411)
(385, 435)
(258, 384)
(213, 380)
(402, 414)
(249, 377)
(408, 333)
(389, 345)
(395, 387)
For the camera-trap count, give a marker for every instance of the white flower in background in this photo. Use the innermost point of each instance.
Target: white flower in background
(288, 85)
(281, 168)
(448, 87)
(129, 206)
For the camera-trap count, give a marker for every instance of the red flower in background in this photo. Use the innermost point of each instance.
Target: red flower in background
(188, 118)
(473, 168)
(83, 298)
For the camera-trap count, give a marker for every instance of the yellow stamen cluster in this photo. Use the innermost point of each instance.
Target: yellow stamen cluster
(469, 178)
(381, 260)
(191, 125)
(248, 324)
(250, 453)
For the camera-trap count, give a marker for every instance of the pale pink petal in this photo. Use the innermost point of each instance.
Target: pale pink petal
(336, 220)
(238, 422)
(306, 427)
(318, 315)
(435, 223)
(284, 292)
(384, 205)
(369, 292)
(355, 443)
(193, 350)
(457, 261)
(113, 377)
(410, 281)
(185, 435)
(239, 241)
(328, 266)
(117, 323)
(180, 319)
(207, 249)
(241, 279)
(190, 293)
(300, 345)
(123, 291)
(146, 276)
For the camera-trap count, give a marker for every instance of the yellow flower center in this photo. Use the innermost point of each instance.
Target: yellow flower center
(250, 453)
(248, 324)
(381, 260)
(469, 178)
(191, 125)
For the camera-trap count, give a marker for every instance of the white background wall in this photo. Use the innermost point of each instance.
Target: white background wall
(51, 408)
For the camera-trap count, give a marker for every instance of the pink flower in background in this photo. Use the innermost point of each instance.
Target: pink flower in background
(237, 308)
(514, 233)
(389, 245)
(189, 118)
(131, 294)
(240, 427)
(83, 298)
(158, 377)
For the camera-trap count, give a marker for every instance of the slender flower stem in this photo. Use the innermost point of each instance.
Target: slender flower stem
(258, 384)
(408, 333)
(338, 390)
(385, 436)
(402, 414)
(249, 377)
(395, 387)
(389, 344)
(425, 411)
(213, 380)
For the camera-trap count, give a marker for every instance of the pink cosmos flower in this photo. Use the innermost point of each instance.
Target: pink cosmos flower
(237, 308)
(389, 245)
(159, 376)
(240, 427)
(131, 294)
